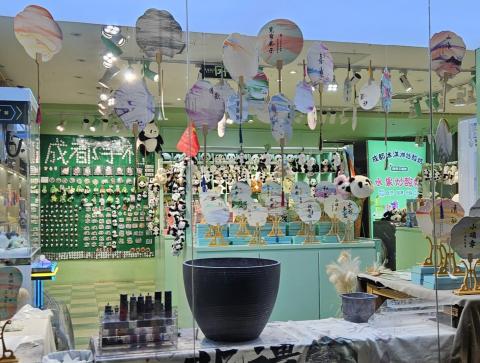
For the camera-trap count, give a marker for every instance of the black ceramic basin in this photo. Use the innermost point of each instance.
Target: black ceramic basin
(231, 298)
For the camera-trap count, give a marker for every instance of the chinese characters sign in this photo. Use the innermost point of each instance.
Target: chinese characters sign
(466, 237)
(397, 184)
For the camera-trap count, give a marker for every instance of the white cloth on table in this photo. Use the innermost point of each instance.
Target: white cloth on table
(36, 337)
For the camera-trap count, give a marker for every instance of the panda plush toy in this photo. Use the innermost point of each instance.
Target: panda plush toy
(360, 186)
(149, 139)
(342, 185)
(325, 167)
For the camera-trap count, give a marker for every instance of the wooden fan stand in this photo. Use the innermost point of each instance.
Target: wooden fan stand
(276, 231)
(301, 231)
(242, 227)
(470, 281)
(447, 261)
(310, 234)
(7, 356)
(217, 238)
(428, 262)
(349, 236)
(334, 228)
(257, 239)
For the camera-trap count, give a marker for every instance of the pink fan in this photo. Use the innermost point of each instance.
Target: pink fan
(280, 43)
(40, 36)
(205, 107)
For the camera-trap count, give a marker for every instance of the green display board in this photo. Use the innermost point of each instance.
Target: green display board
(396, 184)
(90, 205)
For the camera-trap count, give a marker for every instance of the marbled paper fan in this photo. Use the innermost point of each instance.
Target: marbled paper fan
(40, 36)
(280, 40)
(447, 51)
(158, 34)
(282, 112)
(319, 64)
(134, 104)
(203, 105)
(240, 57)
(38, 33)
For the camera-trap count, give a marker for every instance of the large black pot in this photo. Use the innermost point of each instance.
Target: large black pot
(231, 298)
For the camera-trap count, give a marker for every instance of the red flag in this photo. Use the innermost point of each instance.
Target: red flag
(188, 143)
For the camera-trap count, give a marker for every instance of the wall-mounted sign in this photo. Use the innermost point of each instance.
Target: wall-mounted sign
(214, 71)
(396, 184)
(13, 112)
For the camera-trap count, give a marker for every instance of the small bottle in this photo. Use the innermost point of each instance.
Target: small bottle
(133, 308)
(148, 306)
(123, 307)
(168, 303)
(158, 307)
(140, 307)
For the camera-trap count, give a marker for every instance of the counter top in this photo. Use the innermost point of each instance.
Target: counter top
(363, 243)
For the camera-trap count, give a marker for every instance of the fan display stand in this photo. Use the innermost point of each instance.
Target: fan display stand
(334, 229)
(276, 230)
(257, 239)
(242, 227)
(470, 282)
(217, 239)
(301, 231)
(310, 234)
(448, 265)
(349, 236)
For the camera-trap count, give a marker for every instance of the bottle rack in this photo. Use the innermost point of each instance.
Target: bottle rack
(158, 332)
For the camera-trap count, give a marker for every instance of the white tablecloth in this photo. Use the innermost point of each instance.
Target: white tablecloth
(35, 339)
(326, 340)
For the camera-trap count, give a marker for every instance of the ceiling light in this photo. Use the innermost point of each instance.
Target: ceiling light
(93, 127)
(104, 124)
(405, 82)
(85, 123)
(112, 47)
(148, 73)
(293, 71)
(110, 30)
(355, 78)
(418, 108)
(102, 105)
(108, 60)
(333, 85)
(108, 76)
(435, 101)
(419, 141)
(111, 102)
(179, 99)
(471, 97)
(104, 95)
(61, 126)
(130, 74)
(333, 117)
(250, 121)
(411, 111)
(460, 100)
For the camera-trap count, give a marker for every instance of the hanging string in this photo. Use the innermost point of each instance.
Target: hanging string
(39, 112)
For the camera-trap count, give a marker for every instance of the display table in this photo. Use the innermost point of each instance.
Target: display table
(466, 347)
(35, 339)
(328, 340)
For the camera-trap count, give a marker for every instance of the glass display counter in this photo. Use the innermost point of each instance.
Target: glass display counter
(19, 180)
